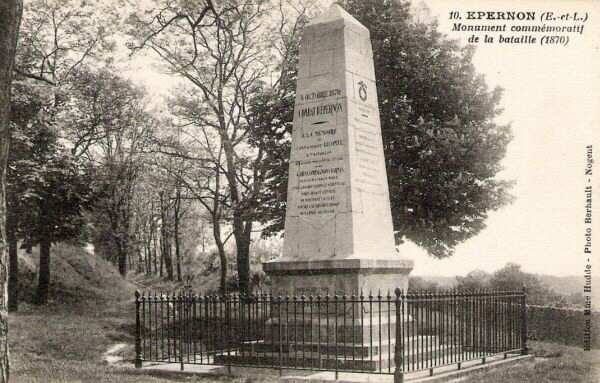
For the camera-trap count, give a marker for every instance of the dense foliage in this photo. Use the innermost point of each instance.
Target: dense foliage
(48, 187)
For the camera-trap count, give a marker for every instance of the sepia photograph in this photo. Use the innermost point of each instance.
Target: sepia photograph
(243, 191)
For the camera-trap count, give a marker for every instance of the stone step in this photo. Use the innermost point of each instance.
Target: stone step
(289, 361)
(343, 349)
(417, 352)
(328, 332)
(328, 361)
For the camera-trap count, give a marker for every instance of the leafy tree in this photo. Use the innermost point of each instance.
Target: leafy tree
(220, 58)
(511, 277)
(441, 144)
(203, 181)
(25, 108)
(56, 39)
(59, 36)
(172, 173)
(112, 129)
(49, 187)
(475, 280)
(223, 55)
(271, 115)
(420, 284)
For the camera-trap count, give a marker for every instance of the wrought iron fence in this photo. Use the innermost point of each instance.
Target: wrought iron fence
(388, 334)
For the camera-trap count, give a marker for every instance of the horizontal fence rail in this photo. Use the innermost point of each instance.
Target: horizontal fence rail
(381, 333)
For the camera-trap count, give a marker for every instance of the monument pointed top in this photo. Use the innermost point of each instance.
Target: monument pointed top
(335, 12)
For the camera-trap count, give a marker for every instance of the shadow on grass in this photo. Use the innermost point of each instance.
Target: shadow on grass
(208, 378)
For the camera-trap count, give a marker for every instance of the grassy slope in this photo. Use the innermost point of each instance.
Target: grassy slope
(76, 277)
(93, 310)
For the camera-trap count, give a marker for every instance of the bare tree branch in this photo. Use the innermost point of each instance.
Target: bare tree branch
(33, 76)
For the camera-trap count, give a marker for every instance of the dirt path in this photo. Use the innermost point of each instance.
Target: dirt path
(114, 354)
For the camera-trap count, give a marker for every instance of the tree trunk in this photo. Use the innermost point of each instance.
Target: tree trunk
(10, 18)
(168, 256)
(146, 264)
(216, 226)
(12, 223)
(155, 256)
(177, 252)
(148, 256)
(215, 215)
(122, 257)
(242, 239)
(131, 262)
(242, 235)
(45, 229)
(222, 257)
(44, 271)
(13, 267)
(176, 218)
(162, 254)
(166, 245)
(140, 266)
(122, 232)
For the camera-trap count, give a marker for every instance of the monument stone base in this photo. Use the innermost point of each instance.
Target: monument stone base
(338, 277)
(337, 314)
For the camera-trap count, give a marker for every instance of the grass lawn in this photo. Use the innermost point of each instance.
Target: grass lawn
(553, 363)
(67, 342)
(67, 345)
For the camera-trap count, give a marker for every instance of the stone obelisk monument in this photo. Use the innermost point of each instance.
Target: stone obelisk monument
(338, 228)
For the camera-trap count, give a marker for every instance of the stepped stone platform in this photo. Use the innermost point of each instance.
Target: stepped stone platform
(344, 356)
(330, 330)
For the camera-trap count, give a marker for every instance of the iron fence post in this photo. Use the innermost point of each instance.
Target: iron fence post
(280, 319)
(228, 337)
(399, 369)
(138, 332)
(180, 303)
(524, 349)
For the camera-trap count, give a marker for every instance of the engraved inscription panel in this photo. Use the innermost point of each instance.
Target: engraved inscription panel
(318, 149)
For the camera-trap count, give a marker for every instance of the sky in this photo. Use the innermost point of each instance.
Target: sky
(552, 100)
